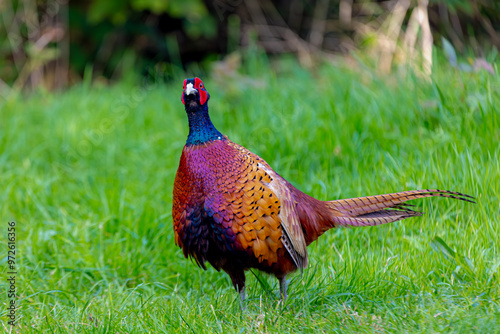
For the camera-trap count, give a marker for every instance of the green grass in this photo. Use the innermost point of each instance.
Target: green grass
(87, 176)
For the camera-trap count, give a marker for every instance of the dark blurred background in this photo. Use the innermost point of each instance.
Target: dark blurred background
(56, 43)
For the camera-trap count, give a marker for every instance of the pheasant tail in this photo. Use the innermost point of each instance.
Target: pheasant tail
(382, 209)
(372, 210)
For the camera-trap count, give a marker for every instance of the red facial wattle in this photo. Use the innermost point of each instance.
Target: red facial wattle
(183, 89)
(198, 84)
(200, 88)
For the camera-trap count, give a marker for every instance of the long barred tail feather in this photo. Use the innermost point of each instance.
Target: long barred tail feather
(383, 209)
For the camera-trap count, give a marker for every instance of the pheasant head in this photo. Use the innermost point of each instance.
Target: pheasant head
(195, 99)
(194, 94)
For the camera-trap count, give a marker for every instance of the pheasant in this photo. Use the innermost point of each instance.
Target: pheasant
(232, 210)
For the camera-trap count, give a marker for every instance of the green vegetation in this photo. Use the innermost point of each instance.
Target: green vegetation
(87, 175)
(55, 43)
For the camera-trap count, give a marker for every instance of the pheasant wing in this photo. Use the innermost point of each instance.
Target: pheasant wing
(262, 202)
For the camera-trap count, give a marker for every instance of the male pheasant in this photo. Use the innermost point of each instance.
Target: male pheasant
(232, 209)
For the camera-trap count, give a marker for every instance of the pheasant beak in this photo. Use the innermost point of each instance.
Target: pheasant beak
(190, 90)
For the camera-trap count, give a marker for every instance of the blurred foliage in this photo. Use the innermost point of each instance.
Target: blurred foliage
(195, 17)
(56, 42)
(106, 31)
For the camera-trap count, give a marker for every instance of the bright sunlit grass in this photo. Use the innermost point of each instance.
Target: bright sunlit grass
(87, 175)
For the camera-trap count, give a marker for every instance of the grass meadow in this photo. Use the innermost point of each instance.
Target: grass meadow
(87, 176)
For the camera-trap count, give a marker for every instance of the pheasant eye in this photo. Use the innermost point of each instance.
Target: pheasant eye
(201, 85)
